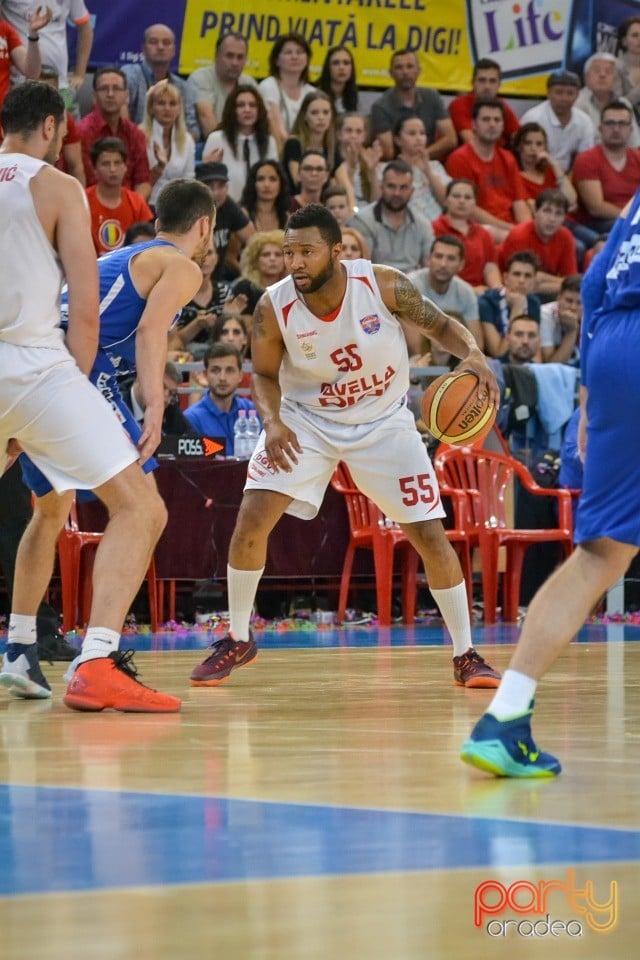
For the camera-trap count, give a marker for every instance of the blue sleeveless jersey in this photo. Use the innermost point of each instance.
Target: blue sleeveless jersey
(121, 308)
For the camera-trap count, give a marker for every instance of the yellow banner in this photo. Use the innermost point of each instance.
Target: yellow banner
(526, 38)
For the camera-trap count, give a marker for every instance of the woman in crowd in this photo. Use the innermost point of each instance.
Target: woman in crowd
(354, 246)
(265, 198)
(538, 169)
(287, 84)
(357, 172)
(198, 318)
(338, 79)
(241, 138)
(170, 148)
(261, 264)
(430, 178)
(628, 54)
(314, 129)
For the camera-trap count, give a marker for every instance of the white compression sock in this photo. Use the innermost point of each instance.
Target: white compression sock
(513, 696)
(242, 586)
(98, 642)
(22, 629)
(454, 607)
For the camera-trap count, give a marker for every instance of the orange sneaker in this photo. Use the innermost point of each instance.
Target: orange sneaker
(111, 682)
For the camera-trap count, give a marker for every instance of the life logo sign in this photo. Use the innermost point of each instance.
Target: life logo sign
(492, 898)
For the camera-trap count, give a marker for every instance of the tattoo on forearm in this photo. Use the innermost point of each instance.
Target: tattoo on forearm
(412, 307)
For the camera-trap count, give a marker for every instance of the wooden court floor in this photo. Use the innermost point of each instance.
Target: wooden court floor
(315, 807)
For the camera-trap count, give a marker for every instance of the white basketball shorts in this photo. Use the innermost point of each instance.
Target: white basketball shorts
(60, 419)
(387, 459)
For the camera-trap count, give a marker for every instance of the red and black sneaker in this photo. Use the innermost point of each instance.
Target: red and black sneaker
(470, 670)
(226, 654)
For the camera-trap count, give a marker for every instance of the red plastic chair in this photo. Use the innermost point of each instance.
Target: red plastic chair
(370, 529)
(76, 582)
(486, 477)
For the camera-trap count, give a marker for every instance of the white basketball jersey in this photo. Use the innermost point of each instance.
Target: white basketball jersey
(351, 367)
(31, 274)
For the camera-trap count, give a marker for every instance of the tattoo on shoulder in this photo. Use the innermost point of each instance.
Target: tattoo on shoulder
(410, 304)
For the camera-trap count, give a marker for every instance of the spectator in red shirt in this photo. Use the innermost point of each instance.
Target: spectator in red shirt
(551, 242)
(13, 53)
(485, 83)
(114, 208)
(607, 176)
(480, 267)
(501, 198)
(105, 120)
(71, 159)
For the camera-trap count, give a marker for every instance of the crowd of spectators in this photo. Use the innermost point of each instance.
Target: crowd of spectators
(494, 215)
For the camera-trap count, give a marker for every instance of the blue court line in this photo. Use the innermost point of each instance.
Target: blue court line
(64, 839)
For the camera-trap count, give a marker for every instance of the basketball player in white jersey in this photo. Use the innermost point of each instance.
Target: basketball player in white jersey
(331, 374)
(49, 409)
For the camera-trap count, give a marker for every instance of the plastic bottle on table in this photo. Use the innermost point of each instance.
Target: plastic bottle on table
(240, 446)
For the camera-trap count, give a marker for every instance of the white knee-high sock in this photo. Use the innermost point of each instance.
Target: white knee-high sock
(22, 629)
(513, 696)
(242, 586)
(454, 607)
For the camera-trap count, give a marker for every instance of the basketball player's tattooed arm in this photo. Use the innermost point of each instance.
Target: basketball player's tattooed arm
(404, 300)
(267, 351)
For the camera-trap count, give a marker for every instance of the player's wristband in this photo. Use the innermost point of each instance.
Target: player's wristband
(33, 39)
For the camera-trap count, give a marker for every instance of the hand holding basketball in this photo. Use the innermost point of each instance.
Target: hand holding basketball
(456, 410)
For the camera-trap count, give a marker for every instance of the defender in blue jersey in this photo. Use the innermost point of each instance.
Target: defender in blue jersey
(121, 310)
(608, 522)
(141, 291)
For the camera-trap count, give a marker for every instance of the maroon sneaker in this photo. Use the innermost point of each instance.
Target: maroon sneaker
(470, 670)
(225, 656)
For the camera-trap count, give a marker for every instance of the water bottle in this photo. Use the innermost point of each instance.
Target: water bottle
(240, 436)
(253, 432)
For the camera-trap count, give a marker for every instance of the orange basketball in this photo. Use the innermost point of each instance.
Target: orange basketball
(454, 410)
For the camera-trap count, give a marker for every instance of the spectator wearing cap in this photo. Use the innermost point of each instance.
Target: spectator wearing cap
(602, 86)
(233, 227)
(568, 129)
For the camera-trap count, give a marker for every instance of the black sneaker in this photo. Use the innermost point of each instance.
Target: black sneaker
(21, 672)
(54, 647)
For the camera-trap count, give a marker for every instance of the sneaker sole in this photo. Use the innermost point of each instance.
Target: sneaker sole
(492, 757)
(216, 681)
(479, 683)
(23, 688)
(95, 706)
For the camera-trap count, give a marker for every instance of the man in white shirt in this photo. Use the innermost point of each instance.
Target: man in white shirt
(53, 38)
(568, 129)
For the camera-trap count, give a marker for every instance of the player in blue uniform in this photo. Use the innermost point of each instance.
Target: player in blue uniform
(608, 522)
(141, 290)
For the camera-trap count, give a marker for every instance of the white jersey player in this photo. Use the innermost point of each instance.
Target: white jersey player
(49, 409)
(330, 382)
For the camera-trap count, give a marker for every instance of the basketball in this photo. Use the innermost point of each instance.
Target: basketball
(454, 411)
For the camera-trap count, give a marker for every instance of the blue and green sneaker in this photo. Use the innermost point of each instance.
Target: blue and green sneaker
(505, 748)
